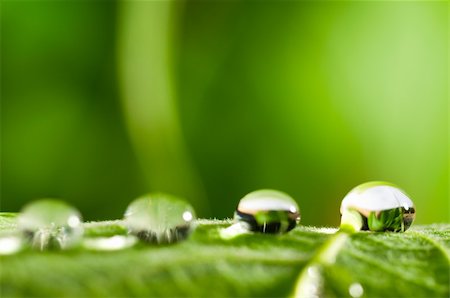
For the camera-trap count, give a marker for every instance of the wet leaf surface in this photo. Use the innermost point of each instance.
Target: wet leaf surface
(410, 264)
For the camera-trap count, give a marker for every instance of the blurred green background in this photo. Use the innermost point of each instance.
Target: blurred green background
(104, 101)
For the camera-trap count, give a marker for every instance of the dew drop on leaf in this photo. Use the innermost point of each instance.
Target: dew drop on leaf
(268, 211)
(160, 218)
(381, 205)
(10, 243)
(356, 290)
(50, 224)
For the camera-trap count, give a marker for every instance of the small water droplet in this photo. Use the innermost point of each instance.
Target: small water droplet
(356, 290)
(50, 224)
(383, 206)
(268, 211)
(10, 243)
(160, 218)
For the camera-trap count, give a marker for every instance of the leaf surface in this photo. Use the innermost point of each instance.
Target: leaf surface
(410, 264)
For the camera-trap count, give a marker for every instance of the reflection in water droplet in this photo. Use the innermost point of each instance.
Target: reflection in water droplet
(356, 290)
(117, 242)
(10, 243)
(382, 206)
(51, 224)
(268, 211)
(160, 218)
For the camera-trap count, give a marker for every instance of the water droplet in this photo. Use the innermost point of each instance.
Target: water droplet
(10, 243)
(356, 290)
(268, 211)
(160, 218)
(383, 207)
(51, 224)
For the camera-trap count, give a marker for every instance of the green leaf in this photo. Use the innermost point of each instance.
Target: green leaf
(410, 264)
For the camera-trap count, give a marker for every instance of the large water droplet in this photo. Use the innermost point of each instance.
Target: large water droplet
(51, 224)
(160, 218)
(383, 207)
(268, 211)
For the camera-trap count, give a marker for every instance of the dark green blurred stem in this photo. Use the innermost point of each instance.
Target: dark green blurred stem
(149, 98)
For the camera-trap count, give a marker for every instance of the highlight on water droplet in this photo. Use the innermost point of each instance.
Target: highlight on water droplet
(268, 211)
(377, 206)
(160, 218)
(50, 224)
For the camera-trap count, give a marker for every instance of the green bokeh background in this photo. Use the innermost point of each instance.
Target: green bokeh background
(104, 101)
